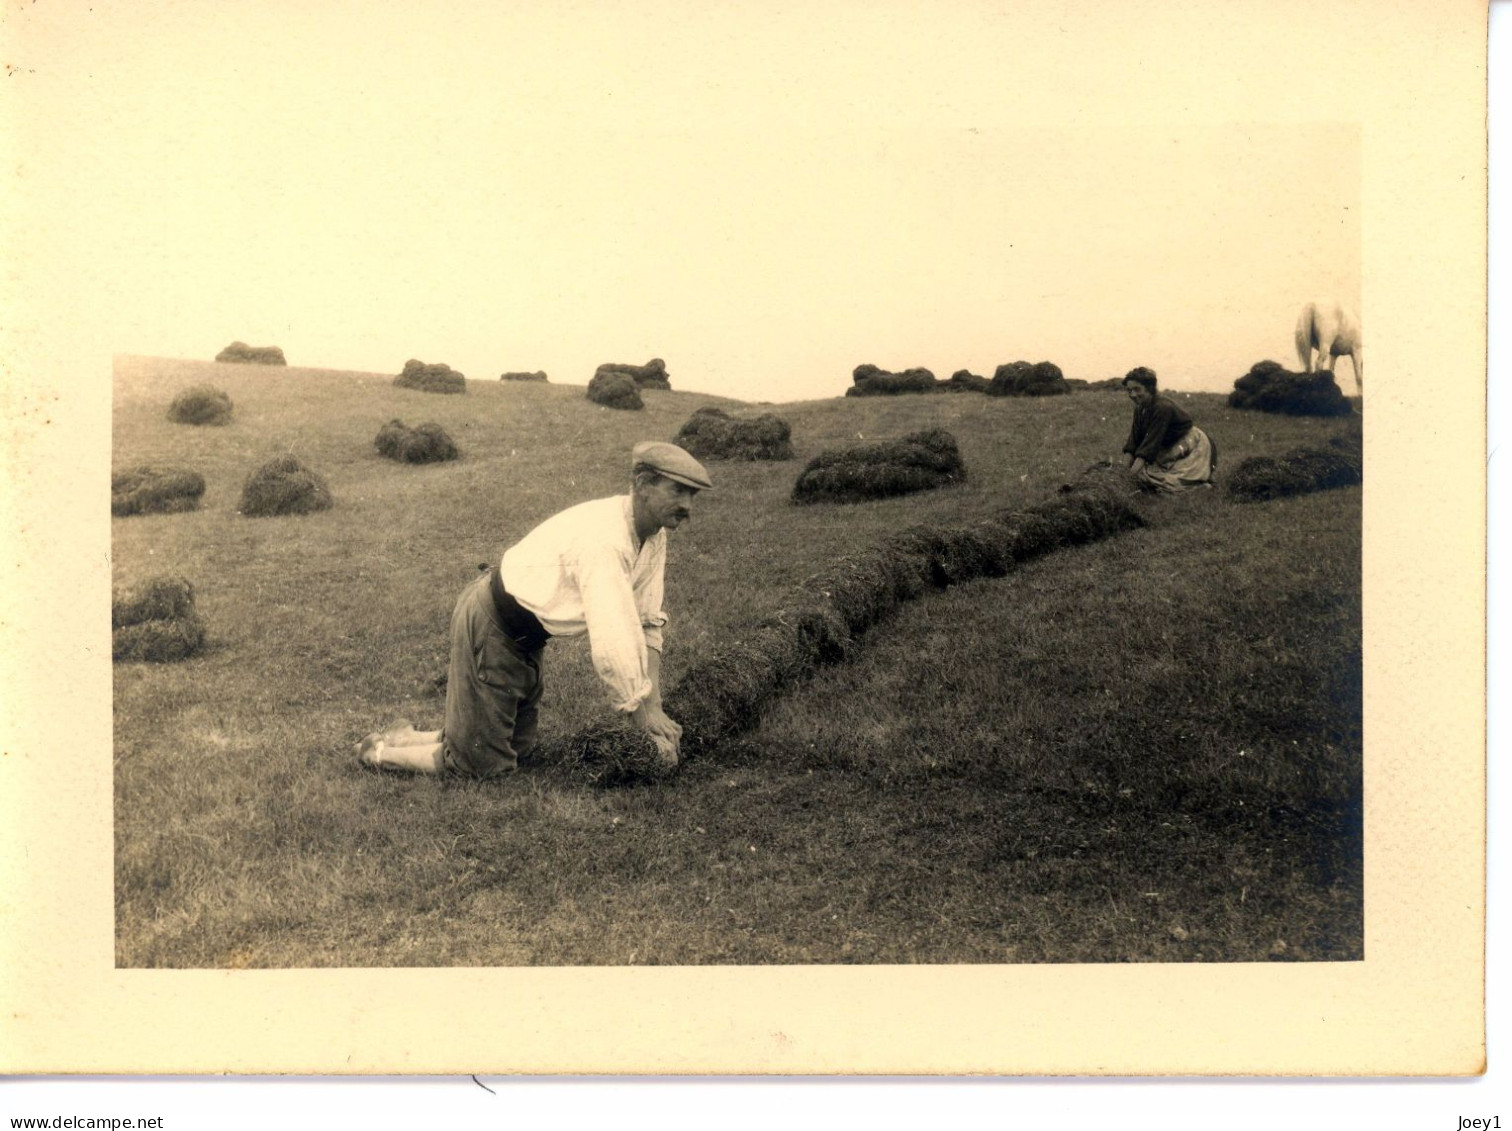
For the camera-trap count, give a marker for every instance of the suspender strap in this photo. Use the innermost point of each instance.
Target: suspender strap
(520, 624)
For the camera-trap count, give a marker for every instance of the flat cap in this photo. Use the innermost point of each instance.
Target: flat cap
(671, 461)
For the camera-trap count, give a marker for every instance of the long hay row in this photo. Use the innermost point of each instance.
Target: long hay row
(825, 617)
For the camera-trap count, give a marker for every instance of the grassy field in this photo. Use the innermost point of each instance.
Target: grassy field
(1146, 749)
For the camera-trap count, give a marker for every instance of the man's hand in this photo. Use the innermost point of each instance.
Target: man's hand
(667, 734)
(666, 751)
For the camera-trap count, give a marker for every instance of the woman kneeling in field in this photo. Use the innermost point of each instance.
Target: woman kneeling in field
(1166, 451)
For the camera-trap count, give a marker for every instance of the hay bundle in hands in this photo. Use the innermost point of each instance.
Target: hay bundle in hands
(155, 489)
(1267, 387)
(284, 486)
(201, 404)
(652, 375)
(870, 381)
(613, 754)
(919, 461)
(712, 433)
(244, 354)
(156, 623)
(965, 381)
(435, 378)
(614, 390)
(1021, 379)
(538, 375)
(424, 443)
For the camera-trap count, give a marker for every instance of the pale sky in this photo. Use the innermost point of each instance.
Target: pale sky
(763, 199)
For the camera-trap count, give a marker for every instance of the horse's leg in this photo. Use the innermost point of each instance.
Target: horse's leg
(1305, 338)
(1358, 363)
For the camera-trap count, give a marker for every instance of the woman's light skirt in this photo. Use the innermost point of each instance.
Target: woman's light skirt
(1187, 463)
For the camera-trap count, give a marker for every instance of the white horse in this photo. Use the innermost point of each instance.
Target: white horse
(1333, 332)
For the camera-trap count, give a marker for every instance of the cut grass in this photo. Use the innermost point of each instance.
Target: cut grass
(927, 802)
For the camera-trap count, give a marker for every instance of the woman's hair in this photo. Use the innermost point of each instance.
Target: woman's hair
(1142, 376)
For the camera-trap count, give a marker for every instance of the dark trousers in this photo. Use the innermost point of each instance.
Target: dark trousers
(493, 689)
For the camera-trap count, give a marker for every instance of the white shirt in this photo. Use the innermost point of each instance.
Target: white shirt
(584, 570)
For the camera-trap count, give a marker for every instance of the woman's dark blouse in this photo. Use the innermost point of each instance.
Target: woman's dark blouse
(1157, 426)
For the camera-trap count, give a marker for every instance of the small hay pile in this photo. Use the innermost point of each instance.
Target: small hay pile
(1021, 379)
(965, 381)
(919, 461)
(244, 354)
(652, 375)
(201, 404)
(712, 433)
(155, 489)
(869, 381)
(424, 443)
(1105, 383)
(823, 620)
(614, 390)
(284, 486)
(1300, 471)
(156, 623)
(1267, 387)
(538, 375)
(437, 378)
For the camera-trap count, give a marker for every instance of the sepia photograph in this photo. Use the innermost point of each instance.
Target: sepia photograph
(660, 538)
(1011, 615)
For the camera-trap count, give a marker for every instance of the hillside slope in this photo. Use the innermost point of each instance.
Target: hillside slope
(246, 836)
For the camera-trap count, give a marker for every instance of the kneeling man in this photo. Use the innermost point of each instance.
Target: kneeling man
(598, 568)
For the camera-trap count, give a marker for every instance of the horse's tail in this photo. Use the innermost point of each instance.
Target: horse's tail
(1307, 336)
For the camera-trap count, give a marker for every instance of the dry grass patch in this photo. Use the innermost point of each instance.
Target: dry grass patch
(284, 486)
(614, 390)
(965, 381)
(155, 489)
(434, 378)
(920, 461)
(712, 433)
(156, 622)
(1021, 379)
(870, 381)
(424, 443)
(1267, 387)
(242, 353)
(652, 375)
(201, 404)
(1298, 472)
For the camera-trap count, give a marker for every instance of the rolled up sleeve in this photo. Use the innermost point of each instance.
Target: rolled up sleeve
(616, 639)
